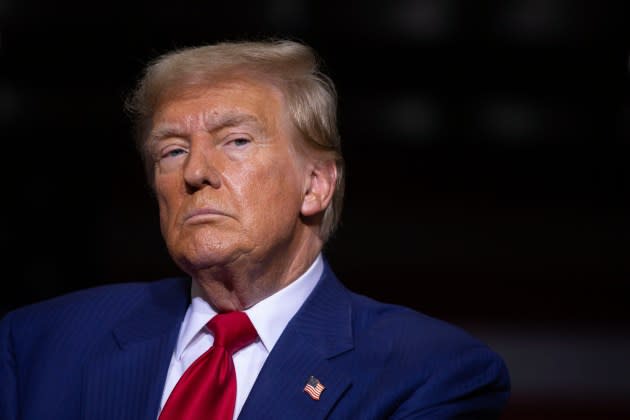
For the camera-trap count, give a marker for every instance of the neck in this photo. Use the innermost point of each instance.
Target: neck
(244, 282)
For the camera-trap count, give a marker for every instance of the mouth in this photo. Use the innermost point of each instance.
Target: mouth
(203, 215)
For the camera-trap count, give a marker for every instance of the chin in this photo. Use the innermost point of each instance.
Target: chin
(192, 262)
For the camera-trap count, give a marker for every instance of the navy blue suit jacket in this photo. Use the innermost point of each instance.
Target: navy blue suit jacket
(103, 353)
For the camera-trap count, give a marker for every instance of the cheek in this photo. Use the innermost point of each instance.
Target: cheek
(167, 202)
(164, 215)
(277, 185)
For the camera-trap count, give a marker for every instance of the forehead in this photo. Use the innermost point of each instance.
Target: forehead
(230, 102)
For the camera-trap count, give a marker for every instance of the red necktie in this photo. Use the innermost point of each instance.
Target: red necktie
(207, 389)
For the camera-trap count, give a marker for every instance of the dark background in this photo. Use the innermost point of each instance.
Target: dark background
(486, 145)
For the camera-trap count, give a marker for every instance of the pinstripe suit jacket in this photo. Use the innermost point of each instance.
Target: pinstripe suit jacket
(103, 353)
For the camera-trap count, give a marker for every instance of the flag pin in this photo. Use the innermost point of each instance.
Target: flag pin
(314, 388)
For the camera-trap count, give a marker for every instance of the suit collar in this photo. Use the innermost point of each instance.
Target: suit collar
(320, 331)
(130, 368)
(162, 311)
(325, 317)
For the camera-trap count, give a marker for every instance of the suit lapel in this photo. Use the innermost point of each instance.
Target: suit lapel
(124, 380)
(319, 331)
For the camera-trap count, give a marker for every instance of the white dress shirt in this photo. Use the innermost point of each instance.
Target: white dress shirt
(269, 316)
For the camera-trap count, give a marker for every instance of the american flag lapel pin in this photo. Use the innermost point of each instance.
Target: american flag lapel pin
(314, 388)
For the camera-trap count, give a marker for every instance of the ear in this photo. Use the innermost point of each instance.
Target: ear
(319, 187)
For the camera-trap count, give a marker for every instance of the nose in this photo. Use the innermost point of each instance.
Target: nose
(200, 170)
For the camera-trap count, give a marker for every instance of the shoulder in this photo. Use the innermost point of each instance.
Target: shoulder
(433, 366)
(413, 341)
(400, 323)
(393, 326)
(104, 304)
(407, 363)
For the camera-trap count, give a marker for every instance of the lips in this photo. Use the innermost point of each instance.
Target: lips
(203, 214)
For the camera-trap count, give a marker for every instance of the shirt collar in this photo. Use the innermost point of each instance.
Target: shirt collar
(270, 316)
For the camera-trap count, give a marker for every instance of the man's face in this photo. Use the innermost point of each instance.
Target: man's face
(229, 182)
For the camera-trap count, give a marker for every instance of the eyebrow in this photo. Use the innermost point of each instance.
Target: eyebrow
(210, 122)
(164, 131)
(231, 120)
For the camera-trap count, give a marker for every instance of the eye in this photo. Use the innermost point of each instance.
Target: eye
(240, 142)
(170, 158)
(171, 152)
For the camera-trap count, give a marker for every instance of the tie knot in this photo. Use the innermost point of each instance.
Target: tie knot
(232, 330)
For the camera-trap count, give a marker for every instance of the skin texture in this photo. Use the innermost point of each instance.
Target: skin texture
(239, 205)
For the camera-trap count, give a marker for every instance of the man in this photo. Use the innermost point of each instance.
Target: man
(241, 147)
